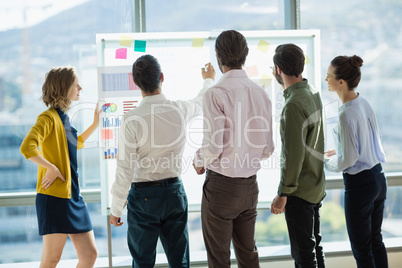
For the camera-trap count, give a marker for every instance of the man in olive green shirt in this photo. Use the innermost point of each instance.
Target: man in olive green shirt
(302, 185)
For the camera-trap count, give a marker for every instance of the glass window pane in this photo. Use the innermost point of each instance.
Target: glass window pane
(37, 36)
(271, 230)
(358, 27)
(20, 240)
(189, 16)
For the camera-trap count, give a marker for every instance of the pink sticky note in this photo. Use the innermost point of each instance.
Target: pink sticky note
(121, 53)
(252, 71)
(106, 134)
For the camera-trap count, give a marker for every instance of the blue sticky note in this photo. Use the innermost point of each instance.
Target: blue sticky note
(140, 45)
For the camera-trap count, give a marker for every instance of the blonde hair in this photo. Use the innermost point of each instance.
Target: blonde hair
(57, 86)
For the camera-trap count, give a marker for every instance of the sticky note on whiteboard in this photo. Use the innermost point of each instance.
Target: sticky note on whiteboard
(121, 53)
(140, 46)
(198, 43)
(306, 59)
(125, 40)
(252, 70)
(263, 46)
(265, 80)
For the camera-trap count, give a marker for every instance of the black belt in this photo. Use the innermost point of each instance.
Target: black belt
(154, 183)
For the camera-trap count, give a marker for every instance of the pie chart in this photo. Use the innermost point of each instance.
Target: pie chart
(109, 108)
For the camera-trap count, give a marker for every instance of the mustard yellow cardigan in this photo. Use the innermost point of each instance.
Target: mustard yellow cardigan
(49, 135)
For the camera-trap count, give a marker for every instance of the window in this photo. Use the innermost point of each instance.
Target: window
(36, 36)
(52, 34)
(358, 27)
(190, 16)
(39, 35)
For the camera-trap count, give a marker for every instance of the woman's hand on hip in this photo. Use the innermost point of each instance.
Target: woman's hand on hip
(51, 175)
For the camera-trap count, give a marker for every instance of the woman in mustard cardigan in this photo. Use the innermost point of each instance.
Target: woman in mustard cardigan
(60, 208)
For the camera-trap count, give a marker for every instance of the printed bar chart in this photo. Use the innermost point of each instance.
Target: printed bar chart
(111, 122)
(118, 82)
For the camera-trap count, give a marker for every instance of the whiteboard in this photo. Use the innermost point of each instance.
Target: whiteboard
(181, 56)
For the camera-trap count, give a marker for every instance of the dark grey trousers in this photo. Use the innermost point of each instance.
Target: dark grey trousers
(228, 213)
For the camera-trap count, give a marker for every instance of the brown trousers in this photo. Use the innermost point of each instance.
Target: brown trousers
(228, 213)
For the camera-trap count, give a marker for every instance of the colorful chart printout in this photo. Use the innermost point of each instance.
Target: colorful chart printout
(109, 108)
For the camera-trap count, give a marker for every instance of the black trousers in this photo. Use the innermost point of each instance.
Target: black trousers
(365, 194)
(303, 220)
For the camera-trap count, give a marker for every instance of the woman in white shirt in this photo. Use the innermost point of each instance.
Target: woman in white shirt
(358, 155)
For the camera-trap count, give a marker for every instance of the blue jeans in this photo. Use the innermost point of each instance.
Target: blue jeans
(153, 212)
(365, 194)
(303, 221)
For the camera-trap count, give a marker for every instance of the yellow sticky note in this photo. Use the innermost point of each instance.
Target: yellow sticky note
(265, 80)
(263, 46)
(198, 43)
(306, 59)
(125, 40)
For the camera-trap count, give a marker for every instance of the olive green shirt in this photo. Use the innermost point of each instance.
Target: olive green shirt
(302, 136)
